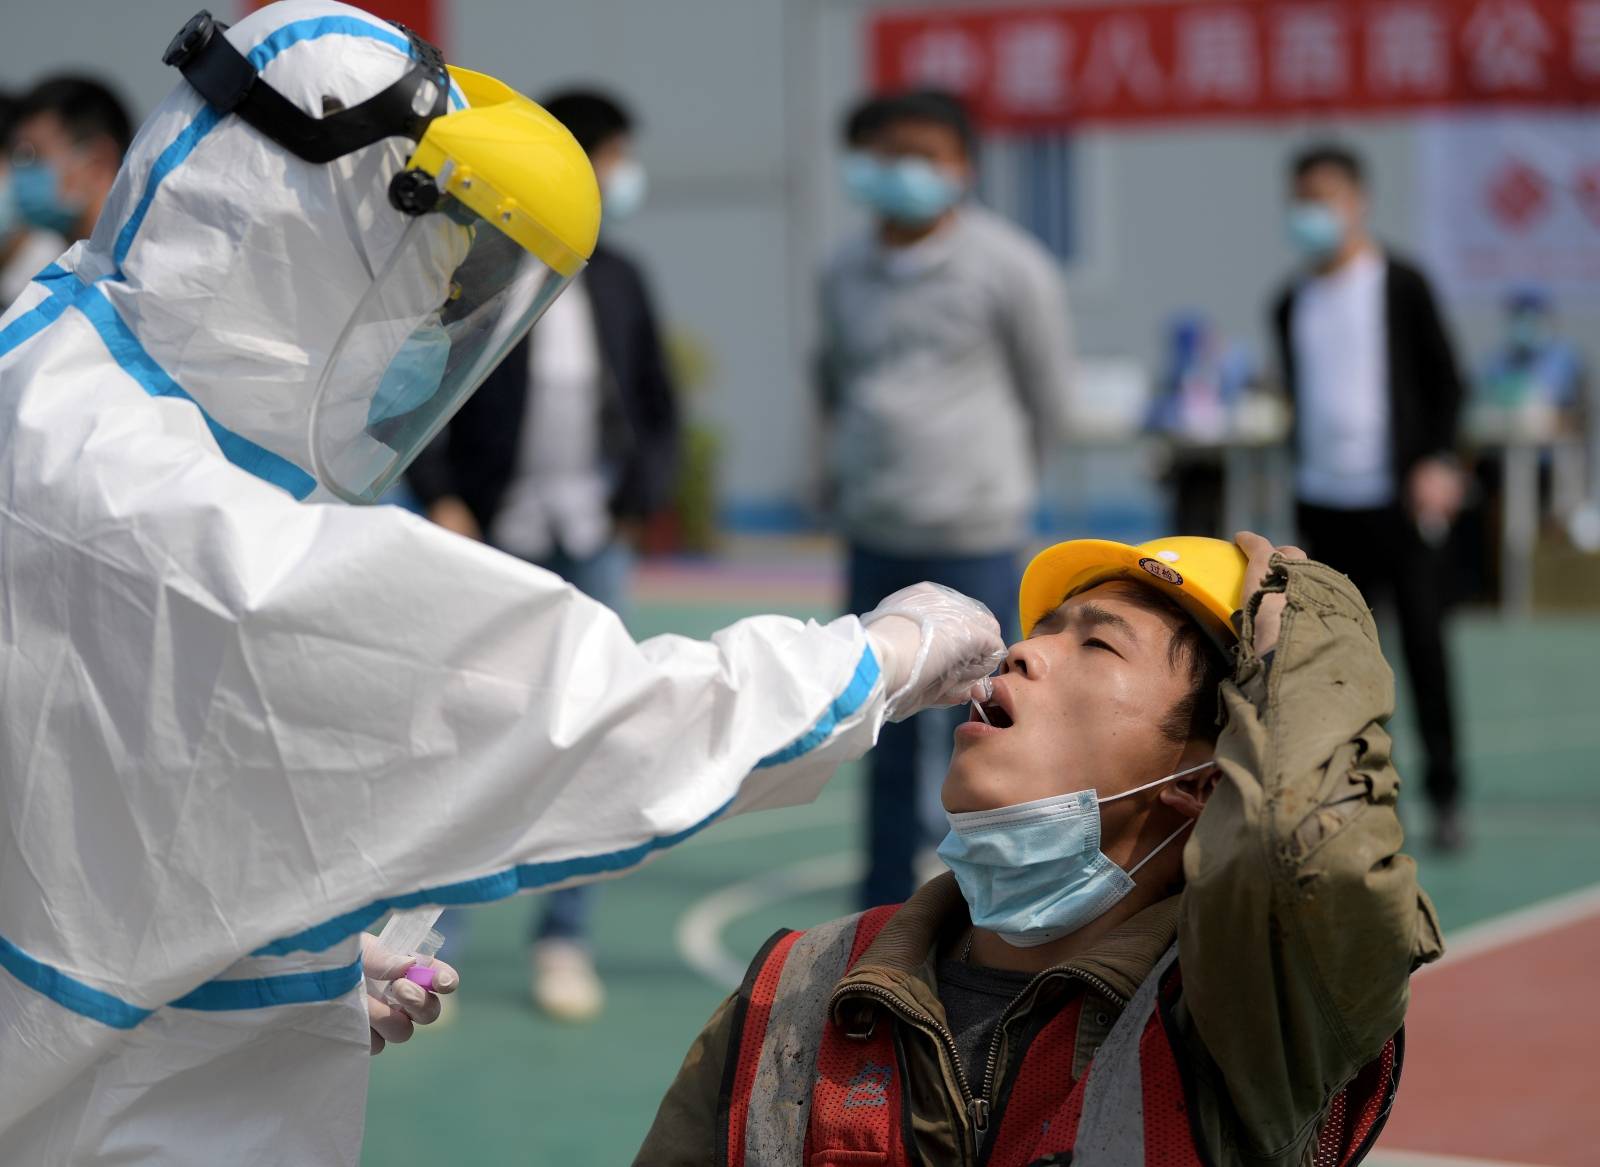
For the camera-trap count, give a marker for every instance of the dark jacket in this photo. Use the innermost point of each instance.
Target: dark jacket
(475, 456)
(1298, 926)
(1424, 382)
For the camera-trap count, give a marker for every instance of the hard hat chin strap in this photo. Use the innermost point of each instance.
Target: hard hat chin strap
(228, 81)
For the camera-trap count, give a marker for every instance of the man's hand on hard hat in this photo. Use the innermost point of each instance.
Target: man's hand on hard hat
(932, 644)
(1269, 616)
(454, 515)
(418, 1006)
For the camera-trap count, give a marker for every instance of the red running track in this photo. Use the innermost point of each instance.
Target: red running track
(1501, 1054)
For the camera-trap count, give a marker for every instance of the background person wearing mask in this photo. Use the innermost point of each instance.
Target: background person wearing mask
(1376, 391)
(71, 134)
(568, 444)
(945, 365)
(24, 249)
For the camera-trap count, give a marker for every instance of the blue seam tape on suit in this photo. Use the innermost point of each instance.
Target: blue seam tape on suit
(207, 119)
(844, 706)
(532, 876)
(118, 338)
(302, 988)
(69, 992)
(69, 291)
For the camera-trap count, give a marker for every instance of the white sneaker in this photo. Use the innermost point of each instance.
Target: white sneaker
(565, 984)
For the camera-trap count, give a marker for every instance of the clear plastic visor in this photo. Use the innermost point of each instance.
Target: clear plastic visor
(454, 298)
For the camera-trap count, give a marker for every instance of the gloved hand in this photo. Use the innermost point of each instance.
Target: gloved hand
(418, 1006)
(932, 644)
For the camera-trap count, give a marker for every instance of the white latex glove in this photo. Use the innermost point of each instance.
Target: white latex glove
(420, 1007)
(932, 644)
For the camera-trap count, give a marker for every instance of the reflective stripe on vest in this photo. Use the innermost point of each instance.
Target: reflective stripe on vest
(807, 1094)
(784, 1005)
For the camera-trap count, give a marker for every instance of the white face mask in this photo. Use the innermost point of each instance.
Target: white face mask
(624, 190)
(1034, 872)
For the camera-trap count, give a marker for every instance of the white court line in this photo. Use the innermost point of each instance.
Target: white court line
(1382, 1158)
(699, 932)
(1517, 926)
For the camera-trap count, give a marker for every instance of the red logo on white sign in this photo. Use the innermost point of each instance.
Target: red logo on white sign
(1518, 195)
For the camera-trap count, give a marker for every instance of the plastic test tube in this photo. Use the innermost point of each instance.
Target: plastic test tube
(410, 934)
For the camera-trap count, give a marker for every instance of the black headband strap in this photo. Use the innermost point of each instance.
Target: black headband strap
(228, 81)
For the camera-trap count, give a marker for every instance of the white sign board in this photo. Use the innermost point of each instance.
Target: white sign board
(1511, 198)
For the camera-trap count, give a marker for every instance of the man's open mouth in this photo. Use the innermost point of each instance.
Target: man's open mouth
(993, 714)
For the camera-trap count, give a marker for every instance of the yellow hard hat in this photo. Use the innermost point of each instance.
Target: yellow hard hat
(1204, 576)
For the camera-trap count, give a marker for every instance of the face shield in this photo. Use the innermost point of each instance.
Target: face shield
(454, 298)
(500, 211)
(475, 268)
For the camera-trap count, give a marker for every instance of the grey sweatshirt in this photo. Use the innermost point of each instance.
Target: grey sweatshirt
(946, 369)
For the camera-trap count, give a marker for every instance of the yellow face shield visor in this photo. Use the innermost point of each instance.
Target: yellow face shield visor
(503, 212)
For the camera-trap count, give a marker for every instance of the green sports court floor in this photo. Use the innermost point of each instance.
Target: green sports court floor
(1500, 1042)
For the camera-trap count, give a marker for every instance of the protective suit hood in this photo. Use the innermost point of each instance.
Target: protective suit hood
(236, 263)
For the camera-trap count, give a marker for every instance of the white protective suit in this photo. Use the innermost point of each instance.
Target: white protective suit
(236, 727)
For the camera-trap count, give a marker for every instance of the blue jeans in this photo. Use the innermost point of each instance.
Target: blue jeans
(907, 768)
(603, 577)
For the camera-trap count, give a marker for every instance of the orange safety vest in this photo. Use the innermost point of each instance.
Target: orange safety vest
(802, 1092)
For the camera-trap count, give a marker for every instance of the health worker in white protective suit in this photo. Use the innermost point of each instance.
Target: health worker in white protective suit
(240, 721)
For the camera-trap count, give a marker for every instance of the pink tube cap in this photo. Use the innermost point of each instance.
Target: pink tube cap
(420, 975)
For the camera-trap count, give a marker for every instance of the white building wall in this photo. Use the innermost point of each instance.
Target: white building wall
(740, 102)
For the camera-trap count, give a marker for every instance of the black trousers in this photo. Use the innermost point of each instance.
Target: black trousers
(1382, 553)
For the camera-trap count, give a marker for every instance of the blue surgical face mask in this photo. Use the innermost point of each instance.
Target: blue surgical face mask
(625, 187)
(1315, 229)
(415, 373)
(862, 175)
(1034, 872)
(912, 191)
(37, 188)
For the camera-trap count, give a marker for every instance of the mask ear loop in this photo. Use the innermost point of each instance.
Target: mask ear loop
(1206, 765)
(1161, 846)
(1134, 870)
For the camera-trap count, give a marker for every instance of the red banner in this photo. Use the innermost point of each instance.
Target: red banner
(1053, 67)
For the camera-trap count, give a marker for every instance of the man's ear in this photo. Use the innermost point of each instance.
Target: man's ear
(1188, 795)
